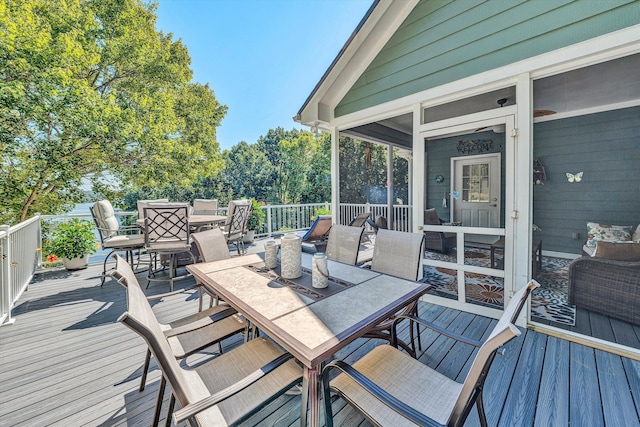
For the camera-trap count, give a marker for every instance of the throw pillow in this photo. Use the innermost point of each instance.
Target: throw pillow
(620, 251)
(636, 235)
(608, 233)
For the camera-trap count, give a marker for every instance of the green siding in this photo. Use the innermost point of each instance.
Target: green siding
(606, 147)
(443, 41)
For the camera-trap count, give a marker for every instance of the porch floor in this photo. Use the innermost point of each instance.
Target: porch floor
(66, 361)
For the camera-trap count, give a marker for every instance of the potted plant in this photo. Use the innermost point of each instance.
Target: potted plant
(256, 220)
(73, 241)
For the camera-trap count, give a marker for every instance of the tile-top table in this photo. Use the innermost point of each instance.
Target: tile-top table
(312, 329)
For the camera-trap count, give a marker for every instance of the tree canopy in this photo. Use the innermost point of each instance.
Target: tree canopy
(90, 89)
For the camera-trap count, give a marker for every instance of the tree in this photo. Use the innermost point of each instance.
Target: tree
(90, 89)
(247, 171)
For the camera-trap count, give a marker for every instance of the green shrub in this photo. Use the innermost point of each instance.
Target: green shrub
(73, 239)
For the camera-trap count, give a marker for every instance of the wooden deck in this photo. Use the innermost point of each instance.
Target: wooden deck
(66, 361)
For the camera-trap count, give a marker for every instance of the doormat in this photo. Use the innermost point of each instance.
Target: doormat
(549, 302)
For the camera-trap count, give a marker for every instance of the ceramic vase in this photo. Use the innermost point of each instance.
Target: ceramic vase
(270, 254)
(319, 270)
(291, 256)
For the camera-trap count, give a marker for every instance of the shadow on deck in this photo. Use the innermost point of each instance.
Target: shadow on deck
(66, 361)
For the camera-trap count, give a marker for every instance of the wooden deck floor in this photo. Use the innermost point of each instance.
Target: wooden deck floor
(66, 361)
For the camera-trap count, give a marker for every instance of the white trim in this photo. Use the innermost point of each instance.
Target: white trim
(585, 111)
(460, 124)
(383, 22)
(584, 339)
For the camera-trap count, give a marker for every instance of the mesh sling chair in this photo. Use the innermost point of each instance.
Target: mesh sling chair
(360, 220)
(343, 243)
(235, 226)
(113, 236)
(316, 236)
(398, 254)
(223, 391)
(166, 232)
(390, 388)
(212, 246)
(190, 334)
(205, 207)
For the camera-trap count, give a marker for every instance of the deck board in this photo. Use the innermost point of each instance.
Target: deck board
(583, 388)
(553, 396)
(67, 361)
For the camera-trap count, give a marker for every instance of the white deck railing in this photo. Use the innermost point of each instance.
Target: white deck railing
(19, 257)
(401, 214)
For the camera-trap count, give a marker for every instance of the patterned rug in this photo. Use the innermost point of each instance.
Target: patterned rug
(549, 302)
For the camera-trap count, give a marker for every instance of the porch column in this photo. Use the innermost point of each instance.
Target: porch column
(390, 214)
(418, 162)
(335, 175)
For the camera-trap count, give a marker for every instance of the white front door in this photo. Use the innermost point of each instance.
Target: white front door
(476, 190)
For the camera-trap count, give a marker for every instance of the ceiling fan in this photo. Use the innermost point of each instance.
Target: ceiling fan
(501, 102)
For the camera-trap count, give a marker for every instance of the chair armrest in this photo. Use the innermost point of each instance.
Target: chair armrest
(206, 403)
(387, 399)
(438, 329)
(201, 323)
(169, 294)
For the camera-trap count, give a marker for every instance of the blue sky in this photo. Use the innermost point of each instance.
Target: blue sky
(262, 58)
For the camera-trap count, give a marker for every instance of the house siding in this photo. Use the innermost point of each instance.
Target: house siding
(606, 148)
(444, 41)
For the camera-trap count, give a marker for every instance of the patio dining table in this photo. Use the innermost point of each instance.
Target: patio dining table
(312, 324)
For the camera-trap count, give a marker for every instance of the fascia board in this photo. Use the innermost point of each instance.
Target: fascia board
(361, 49)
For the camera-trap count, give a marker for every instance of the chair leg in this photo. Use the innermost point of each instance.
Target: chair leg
(172, 404)
(145, 369)
(156, 415)
(328, 412)
(481, 413)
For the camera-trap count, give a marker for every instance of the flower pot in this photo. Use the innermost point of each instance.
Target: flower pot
(76, 263)
(249, 237)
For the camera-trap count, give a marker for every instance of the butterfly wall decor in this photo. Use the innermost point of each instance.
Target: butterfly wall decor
(574, 178)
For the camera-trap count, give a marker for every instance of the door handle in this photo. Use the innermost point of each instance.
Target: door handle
(494, 206)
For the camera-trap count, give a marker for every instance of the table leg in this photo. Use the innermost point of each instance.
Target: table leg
(310, 395)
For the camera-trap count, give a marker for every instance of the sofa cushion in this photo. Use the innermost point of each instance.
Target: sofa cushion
(608, 233)
(620, 251)
(636, 234)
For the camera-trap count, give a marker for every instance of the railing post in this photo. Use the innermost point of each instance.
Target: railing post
(5, 280)
(269, 225)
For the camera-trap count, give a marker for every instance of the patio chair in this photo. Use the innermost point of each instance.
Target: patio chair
(212, 246)
(437, 241)
(223, 391)
(360, 220)
(205, 207)
(192, 333)
(166, 231)
(390, 388)
(113, 236)
(398, 254)
(236, 224)
(316, 236)
(344, 243)
(144, 203)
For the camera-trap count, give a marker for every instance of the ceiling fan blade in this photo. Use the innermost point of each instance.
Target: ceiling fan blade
(482, 128)
(540, 113)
